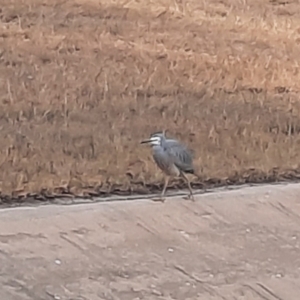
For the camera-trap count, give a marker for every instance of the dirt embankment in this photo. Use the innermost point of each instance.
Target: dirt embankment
(82, 83)
(241, 244)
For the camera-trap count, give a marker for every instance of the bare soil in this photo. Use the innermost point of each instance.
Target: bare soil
(81, 83)
(242, 244)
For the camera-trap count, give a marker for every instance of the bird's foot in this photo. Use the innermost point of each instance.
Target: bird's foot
(158, 199)
(189, 197)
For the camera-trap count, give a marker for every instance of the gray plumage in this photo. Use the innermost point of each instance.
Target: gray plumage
(172, 152)
(172, 157)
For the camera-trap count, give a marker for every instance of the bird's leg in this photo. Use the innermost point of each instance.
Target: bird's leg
(191, 196)
(162, 198)
(165, 186)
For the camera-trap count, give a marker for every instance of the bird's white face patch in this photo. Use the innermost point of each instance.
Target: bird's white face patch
(155, 140)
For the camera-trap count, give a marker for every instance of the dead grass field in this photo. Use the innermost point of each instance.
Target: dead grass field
(82, 83)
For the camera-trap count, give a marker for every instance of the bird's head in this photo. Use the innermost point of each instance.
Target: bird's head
(155, 139)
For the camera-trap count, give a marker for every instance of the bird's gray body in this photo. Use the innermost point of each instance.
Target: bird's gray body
(172, 157)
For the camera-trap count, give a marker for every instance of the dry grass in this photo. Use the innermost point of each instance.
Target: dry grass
(82, 83)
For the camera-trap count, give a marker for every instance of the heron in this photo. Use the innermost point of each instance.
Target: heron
(173, 158)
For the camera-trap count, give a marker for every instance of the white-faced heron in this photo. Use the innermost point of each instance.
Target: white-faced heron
(173, 158)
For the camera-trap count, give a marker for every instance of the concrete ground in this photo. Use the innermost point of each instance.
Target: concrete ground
(240, 244)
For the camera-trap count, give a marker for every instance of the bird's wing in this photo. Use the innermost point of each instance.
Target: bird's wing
(161, 159)
(181, 155)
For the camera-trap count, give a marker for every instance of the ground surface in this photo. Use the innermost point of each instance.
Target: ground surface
(241, 244)
(81, 83)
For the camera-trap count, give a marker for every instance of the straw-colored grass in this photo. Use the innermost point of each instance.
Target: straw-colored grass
(82, 82)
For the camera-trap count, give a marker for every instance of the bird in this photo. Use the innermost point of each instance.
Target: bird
(173, 158)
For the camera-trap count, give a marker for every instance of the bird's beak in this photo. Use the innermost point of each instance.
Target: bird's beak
(145, 141)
